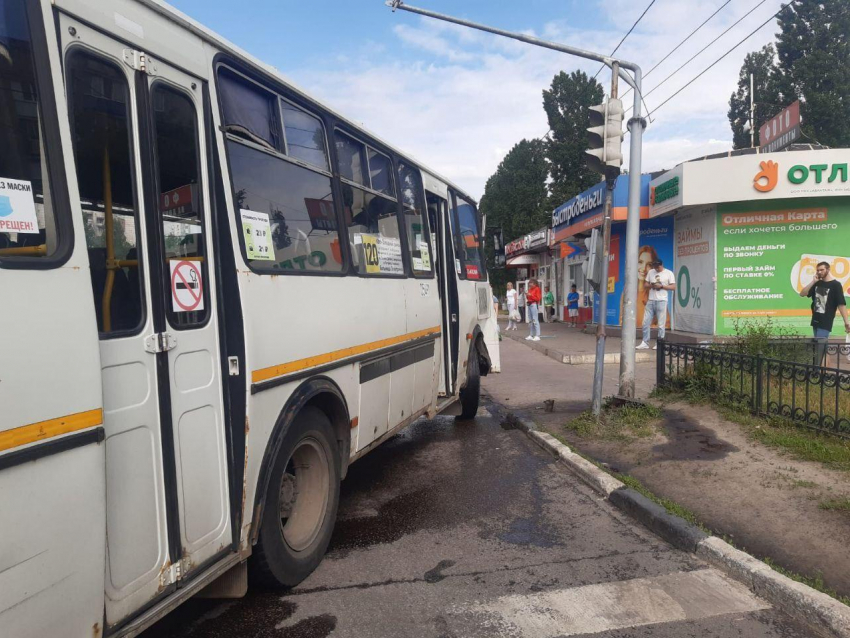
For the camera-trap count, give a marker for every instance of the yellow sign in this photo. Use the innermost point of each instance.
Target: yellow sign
(370, 253)
(612, 281)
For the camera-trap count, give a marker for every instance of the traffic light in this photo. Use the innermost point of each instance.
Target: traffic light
(592, 268)
(605, 135)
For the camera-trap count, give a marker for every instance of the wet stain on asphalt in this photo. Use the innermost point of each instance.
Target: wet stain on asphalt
(466, 484)
(315, 627)
(687, 440)
(436, 575)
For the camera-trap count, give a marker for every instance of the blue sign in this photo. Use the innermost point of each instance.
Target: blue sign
(5, 206)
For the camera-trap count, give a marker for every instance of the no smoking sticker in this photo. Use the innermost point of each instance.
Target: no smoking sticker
(187, 287)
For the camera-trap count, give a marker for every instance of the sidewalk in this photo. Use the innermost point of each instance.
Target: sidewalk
(570, 345)
(767, 502)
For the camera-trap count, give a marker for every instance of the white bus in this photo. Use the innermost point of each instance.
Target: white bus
(217, 293)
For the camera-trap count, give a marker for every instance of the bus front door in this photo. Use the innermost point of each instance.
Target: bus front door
(142, 182)
(447, 280)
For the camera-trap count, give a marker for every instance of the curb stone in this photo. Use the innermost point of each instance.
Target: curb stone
(822, 613)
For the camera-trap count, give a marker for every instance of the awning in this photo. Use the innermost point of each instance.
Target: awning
(523, 260)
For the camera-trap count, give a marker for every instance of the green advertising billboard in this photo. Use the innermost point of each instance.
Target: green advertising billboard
(767, 252)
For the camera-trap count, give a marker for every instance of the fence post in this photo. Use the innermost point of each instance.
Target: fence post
(759, 382)
(659, 364)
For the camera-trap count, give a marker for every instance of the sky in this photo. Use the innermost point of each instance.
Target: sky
(458, 99)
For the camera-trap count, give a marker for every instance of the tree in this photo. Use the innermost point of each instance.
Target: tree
(814, 61)
(768, 98)
(567, 105)
(515, 199)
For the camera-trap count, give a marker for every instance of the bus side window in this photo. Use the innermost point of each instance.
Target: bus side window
(27, 223)
(281, 185)
(370, 207)
(99, 114)
(468, 240)
(416, 225)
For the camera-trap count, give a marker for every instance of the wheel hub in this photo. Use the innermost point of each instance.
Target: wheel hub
(288, 494)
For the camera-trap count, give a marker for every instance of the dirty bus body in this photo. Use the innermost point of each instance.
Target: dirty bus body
(218, 293)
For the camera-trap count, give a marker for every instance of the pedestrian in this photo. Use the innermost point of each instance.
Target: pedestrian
(549, 305)
(660, 280)
(496, 310)
(572, 306)
(533, 299)
(521, 301)
(827, 296)
(513, 313)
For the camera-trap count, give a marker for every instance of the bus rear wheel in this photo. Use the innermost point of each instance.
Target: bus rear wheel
(470, 395)
(300, 503)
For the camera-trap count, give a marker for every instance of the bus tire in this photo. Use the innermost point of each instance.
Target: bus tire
(300, 503)
(471, 393)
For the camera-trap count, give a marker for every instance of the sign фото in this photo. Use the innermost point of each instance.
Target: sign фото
(781, 130)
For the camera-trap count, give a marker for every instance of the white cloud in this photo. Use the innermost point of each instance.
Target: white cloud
(458, 99)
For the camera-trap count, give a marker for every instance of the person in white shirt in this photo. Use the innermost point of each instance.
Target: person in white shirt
(659, 280)
(513, 313)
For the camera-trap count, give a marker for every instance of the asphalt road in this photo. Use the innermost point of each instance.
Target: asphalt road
(455, 530)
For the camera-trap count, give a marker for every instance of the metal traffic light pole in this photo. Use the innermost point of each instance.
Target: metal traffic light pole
(636, 126)
(599, 364)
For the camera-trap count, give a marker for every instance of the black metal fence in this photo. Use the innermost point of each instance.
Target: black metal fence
(802, 380)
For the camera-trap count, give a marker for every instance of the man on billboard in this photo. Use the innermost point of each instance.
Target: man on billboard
(659, 280)
(827, 295)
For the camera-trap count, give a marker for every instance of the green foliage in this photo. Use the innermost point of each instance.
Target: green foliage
(515, 200)
(617, 422)
(672, 507)
(762, 64)
(755, 337)
(567, 104)
(812, 64)
(814, 58)
(836, 504)
(815, 582)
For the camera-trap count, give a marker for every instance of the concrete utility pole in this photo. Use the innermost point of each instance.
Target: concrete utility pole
(599, 365)
(636, 126)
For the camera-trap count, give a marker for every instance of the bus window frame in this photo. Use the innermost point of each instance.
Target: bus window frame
(202, 212)
(135, 144)
(54, 156)
(342, 128)
(458, 237)
(281, 92)
(422, 201)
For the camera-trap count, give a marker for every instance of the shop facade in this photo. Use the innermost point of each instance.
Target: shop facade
(748, 233)
(574, 220)
(529, 257)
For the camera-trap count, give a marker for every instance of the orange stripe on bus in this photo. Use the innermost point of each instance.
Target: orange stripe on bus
(48, 429)
(264, 374)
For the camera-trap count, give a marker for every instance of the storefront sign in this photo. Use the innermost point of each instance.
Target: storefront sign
(765, 176)
(695, 257)
(665, 192)
(781, 130)
(766, 257)
(573, 252)
(656, 241)
(585, 211)
(527, 243)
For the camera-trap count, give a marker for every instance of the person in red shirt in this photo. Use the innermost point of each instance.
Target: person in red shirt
(533, 300)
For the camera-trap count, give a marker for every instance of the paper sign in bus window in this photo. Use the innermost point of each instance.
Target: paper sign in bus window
(389, 255)
(257, 232)
(370, 253)
(187, 286)
(17, 207)
(425, 254)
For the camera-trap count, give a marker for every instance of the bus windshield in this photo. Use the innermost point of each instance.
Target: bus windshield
(26, 220)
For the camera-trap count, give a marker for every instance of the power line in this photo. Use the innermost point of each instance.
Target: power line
(706, 69)
(628, 33)
(688, 37)
(693, 57)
